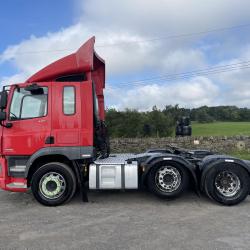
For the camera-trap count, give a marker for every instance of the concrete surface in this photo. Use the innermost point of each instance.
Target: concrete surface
(118, 220)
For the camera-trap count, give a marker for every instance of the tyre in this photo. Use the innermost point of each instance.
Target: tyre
(178, 130)
(186, 130)
(53, 184)
(228, 184)
(168, 180)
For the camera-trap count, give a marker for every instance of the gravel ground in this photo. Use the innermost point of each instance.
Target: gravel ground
(123, 220)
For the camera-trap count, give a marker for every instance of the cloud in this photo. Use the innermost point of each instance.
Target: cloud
(36, 52)
(179, 60)
(14, 79)
(195, 92)
(153, 18)
(119, 24)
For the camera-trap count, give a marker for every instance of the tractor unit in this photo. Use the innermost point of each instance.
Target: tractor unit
(54, 141)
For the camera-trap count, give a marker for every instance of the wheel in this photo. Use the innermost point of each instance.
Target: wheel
(53, 184)
(227, 184)
(178, 130)
(168, 180)
(186, 130)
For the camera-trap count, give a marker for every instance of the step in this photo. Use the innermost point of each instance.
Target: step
(16, 185)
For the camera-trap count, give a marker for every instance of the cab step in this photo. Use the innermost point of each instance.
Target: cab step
(16, 185)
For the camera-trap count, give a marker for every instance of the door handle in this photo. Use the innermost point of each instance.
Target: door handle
(50, 140)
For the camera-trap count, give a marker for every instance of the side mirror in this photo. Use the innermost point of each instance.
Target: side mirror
(3, 99)
(2, 116)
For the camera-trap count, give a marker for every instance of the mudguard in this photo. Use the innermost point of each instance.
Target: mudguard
(213, 160)
(157, 158)
(71, 153)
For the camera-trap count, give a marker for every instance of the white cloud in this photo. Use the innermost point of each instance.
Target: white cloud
(124, 57)
(192, 93)
(121, 22)
(180, 59)
(13, 79)
(49, 48)
(149, 17)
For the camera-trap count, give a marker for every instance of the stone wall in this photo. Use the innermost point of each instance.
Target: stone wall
(217, 144)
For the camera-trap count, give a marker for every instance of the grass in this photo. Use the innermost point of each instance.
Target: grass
(224, 129)
(244, 155)
(220, 128)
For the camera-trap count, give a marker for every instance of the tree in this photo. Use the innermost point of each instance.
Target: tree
(131, 123)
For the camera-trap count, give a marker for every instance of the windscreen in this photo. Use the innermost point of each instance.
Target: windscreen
(25, 105)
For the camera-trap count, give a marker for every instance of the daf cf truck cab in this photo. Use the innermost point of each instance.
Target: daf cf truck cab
(54, 141)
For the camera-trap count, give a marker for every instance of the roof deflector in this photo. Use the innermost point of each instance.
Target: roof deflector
(83, 60)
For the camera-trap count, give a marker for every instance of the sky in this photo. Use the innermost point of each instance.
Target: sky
(186, 52)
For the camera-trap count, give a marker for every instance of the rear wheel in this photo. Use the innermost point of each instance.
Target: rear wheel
(168, 180)
(227, 184)
(53, 184)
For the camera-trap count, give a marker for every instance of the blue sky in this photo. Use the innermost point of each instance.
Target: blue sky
(126, 27)
(20, 19)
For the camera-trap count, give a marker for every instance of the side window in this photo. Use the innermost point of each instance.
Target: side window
(69, 100)
(25, 105)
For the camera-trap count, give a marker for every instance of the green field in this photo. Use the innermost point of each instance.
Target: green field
(244, 155)
(220, 128)
(223, 129)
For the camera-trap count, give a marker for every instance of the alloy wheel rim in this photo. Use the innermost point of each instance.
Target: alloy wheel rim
(168, 179)
(227, 183)
(52, 185)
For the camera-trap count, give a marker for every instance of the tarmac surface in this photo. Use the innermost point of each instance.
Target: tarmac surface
(123, 220)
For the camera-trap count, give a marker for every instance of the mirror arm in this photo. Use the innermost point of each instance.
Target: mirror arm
(8, 125)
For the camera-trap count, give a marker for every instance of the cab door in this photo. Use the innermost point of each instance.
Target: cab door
(29, 113)
(66, 118)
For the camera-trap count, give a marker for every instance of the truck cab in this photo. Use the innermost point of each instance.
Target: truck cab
(59, 111)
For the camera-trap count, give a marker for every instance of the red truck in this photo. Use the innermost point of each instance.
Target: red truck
(54, 141)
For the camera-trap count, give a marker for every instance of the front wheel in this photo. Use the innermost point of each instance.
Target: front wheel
(227, 184)
(168, 180)
(53, 184)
